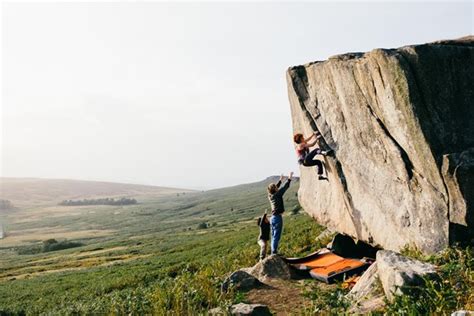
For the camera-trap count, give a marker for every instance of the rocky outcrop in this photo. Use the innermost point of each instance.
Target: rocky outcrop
(270, 267)
(240, 280)
(392, 274)
(397, 272)
(463, 313)
(367, 295)
(400, 122)
(243, 309)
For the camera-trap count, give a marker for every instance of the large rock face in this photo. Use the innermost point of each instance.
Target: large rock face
(401, 124)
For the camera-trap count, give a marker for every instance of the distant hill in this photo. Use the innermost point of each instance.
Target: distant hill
(28, 191)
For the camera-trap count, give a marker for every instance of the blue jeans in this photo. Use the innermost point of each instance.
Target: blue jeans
(277, 226)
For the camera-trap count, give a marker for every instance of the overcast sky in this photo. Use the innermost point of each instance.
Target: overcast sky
(184, 95)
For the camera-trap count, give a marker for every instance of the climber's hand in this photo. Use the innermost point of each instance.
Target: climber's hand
(281, 177)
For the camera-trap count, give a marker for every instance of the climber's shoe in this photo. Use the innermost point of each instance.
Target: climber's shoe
(323, 178)
(327, 152)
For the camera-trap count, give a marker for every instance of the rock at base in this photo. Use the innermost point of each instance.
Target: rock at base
(217, 311)
(463, 313)
(242, 309)
(240, 280)
(396, 272)
(367, 295)
(271, 267)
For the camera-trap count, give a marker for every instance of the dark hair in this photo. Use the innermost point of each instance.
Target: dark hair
(297, 138)
(261, 219)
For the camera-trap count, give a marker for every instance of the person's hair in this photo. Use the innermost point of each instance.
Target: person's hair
(272, 188)
(298, 138)
(261, 219)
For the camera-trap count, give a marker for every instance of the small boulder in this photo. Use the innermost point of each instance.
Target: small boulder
(397, 272)
(242, 309)
(271, 267)
(217, 311)
(463, 313)
(367, 295)
(240, 280)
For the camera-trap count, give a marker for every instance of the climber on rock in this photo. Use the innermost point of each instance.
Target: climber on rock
(305, 157)
(275, 196)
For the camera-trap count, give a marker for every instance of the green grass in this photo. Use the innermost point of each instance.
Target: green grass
(158, 261)
(176, 268)
(452, 290)
(183, 279)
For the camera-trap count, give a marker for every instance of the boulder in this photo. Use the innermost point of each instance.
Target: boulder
(217, 311)
(240, 280)
(367, 295)
(463, 313)
(242, 309)
(399, 122)
(396, 272)
(270, 267)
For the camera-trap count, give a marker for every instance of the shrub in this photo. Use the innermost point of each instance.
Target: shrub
(202, 225)
(6, 205)
(105, 201)
(295, 210)
(54, 245)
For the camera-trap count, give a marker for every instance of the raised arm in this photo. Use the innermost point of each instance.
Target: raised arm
(285, 187)
(279, 181)
(309, 138)
(311, 144)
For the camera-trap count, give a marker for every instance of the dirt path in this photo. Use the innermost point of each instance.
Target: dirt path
(282, 297)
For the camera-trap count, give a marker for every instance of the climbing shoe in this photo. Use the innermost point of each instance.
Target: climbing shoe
(326, 152)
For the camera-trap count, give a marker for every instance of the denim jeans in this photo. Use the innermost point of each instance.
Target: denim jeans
(277, 226)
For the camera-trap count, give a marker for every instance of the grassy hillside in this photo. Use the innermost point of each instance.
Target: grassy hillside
(140, 258)
(24, 192)
(154, 257)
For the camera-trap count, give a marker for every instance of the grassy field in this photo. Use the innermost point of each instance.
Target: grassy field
(134, 256)
(154, 257)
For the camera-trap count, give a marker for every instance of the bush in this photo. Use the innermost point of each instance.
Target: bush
(295, 210)
(6, 205)
(106, 201)
(29, 250)
(54, 245)
(202, 225)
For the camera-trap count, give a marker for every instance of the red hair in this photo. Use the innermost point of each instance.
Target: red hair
(297, 138)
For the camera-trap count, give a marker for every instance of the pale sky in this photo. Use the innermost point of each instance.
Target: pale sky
(187, 95)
